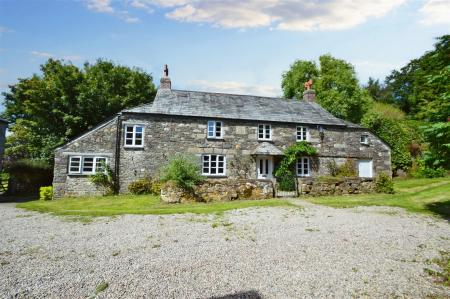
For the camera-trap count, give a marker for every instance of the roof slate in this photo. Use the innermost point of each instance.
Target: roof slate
(266, 148)
(243, 107)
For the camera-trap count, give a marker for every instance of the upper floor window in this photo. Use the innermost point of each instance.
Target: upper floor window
(364, 139)
(264, 132)
(302, 133)
(215, 129)
(214, 165)
(134, 135)
(86, 165)
(303, 167)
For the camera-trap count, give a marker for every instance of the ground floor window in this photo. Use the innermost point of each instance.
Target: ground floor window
(303, 166)
(86, 164)
(213, 165)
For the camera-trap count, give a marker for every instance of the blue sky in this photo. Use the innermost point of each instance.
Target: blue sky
(240, 46)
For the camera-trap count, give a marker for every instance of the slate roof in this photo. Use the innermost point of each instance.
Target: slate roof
(266, 148)
(243, 107)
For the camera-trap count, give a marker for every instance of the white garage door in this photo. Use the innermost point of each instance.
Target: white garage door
(365, 168)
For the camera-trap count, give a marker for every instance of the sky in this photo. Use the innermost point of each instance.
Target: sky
(236, 46)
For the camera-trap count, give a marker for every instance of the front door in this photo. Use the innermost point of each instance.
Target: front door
(264, 166)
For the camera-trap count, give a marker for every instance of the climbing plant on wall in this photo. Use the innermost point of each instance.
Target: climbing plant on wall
(285, 173)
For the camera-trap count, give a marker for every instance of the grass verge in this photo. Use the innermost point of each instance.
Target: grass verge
(144, 204)
(430, 196)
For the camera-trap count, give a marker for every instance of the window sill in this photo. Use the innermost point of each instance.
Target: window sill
(365, 144)
(215, 176)
(215, 138)
(80, 174)
(133, 147)
(266, 140)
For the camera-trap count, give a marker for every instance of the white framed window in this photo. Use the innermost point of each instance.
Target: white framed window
(214, 165)
(134, 136)
(364, 139)
(302, 133)
(303, 166)
(75, 164)
(264, 132)
(215, 129)
(86, 165)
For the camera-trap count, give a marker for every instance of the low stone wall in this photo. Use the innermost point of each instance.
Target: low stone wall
(335, 186)
(219, 190)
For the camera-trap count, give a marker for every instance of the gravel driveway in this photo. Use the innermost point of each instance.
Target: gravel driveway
(313, 252)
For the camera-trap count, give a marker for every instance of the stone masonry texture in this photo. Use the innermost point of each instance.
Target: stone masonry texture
(167, 135)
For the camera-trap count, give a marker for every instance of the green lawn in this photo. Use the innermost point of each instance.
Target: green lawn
(430, 196)
(144, 204)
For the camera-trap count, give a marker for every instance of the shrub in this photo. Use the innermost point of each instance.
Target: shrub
(46, 193)
(156, 187)
(106, 180)
(428, 172)
(141, 186)
(285, 173)
(333, 168)
(384, 184)
(26, 176)
(183, 171)
(348, 169)
(421, 170)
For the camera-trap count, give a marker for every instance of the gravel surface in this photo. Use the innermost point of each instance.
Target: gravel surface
(314, 252)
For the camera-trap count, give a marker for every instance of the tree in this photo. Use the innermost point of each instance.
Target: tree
(49, 109)
(336, 85)
(293, 80)
(438, 137)
(422, 87)
(378, 91)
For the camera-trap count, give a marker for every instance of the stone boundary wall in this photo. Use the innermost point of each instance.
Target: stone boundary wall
(335, 186)
(219, 190)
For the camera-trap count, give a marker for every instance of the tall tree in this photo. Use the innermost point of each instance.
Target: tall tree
(422, 87)
(48, 109)
(336, 85)
(378, 91)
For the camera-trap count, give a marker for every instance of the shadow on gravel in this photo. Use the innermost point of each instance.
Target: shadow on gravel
(441, 208)
(17, 199)
(244, 295)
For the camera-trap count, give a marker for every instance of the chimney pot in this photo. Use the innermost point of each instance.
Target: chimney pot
(165, 80)
(309, 95)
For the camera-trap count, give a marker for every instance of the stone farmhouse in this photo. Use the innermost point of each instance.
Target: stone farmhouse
(222, 130)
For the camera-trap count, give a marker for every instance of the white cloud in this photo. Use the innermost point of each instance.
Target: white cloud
(435, 12)
(295, 15)
(105, 6)
(100, 6)
(50, 55)
(41, 54)
(236, 88)
(5, 30)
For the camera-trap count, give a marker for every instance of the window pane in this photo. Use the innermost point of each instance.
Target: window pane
(100, 164)
(213, 171)
(220, 170)
(205, 158)
(138, 142)
(129, 129)
(129, 141)
(88, 164)
(138, 129)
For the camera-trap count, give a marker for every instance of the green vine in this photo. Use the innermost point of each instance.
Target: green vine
(285, 173)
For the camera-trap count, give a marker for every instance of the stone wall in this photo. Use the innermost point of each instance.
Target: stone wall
(166, 135)
(219, 190)
(101, 141)
(335, 186)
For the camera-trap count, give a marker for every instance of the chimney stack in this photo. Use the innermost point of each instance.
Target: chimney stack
(309, 95)
(165, 80)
